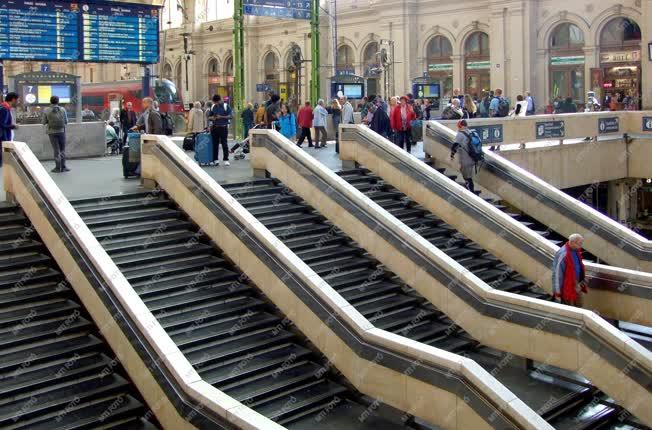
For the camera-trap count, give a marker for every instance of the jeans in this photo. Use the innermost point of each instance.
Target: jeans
(58, 142)
(320, 133)
(305, 132)
(219, 135)
(403, 139)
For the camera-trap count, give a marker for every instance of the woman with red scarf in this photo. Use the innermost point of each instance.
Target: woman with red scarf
(568, 274)
(400, 119)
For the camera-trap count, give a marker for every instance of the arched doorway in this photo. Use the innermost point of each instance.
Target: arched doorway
(567, 63)
(345, 64)
(477, 64)
(372, 69)
(620, 61)
(213, 73)
(439, 63)
(271, 71)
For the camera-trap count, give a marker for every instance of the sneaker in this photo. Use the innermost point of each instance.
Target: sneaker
(55, 170)
(226, 163)
(216, 164)
(65, 169)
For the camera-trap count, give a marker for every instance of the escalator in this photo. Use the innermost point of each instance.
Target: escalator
(57, 371)
(559, 396)
(227, 329)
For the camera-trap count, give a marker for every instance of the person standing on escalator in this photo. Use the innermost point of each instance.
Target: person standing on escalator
(568, 273)
(467, 163)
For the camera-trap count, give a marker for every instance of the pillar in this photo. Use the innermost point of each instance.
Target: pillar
(646, 65)
(458, 71)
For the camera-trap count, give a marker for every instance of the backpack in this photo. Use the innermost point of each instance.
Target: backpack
(475, 146)
(168, 125)
(503, 107)
(56, 118)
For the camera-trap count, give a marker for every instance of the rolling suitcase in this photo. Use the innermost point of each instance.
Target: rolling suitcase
(189, 142)
(131, 156)
(203, 148)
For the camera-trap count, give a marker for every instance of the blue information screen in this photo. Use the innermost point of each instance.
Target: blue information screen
(120, 33)
(55, 30)
(39, 30)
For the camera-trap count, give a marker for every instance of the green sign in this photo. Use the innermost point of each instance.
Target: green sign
(567, 61)
(478, 65)
(439, 67)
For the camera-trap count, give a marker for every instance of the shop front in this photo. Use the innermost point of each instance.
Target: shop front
(621, 78)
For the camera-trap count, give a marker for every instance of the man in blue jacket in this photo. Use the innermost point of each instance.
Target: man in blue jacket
(7, 120)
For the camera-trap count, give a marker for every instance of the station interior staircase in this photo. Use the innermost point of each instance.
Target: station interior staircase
(640, 333)
(564, 399)
(56, 369)
(235, 338)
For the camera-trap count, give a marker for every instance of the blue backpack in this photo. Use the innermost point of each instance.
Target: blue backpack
(475, 146)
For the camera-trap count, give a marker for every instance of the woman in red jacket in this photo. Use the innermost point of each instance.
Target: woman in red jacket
(400, 120)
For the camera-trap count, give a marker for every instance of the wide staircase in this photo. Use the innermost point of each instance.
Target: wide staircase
(234, 337)
(566, 400)
(56, 370)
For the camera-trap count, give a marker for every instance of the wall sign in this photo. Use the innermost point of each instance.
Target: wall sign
(620, 57)
(490, 133)
(550, 129)
(647, 123)
(567, 61)
(608, 125)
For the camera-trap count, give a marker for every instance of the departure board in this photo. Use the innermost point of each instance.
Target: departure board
(39, 30)
(55, 30)
(120, 33)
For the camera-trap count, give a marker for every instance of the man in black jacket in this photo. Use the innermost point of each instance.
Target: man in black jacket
(128, 120)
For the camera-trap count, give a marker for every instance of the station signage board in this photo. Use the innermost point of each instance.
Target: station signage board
(550, 129)
(608, 125)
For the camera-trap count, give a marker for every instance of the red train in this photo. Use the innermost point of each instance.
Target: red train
(106, 97)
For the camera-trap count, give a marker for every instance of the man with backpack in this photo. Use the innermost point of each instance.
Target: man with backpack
(499, 107)
(55, 119)
(471, 152)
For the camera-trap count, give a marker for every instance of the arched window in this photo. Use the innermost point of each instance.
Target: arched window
(567, 63)
(370, 57)
(439, 63)
(620, 33)
(345, 61)
(439, 49)
(477, 45)
(213, 68)
(271, 67)
(477, 65)
(167, 71)
(228, 66)
(567, 36)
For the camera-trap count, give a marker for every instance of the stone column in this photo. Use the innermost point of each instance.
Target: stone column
(591, 61)
(646, 65)
(458, 71)
(498, 48)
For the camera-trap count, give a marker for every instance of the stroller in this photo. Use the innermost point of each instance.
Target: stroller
(240, 149)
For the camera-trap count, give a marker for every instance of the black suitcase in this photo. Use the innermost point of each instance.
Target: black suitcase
(131, 156)
(189, 142)
(129, 168)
